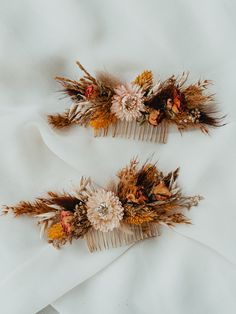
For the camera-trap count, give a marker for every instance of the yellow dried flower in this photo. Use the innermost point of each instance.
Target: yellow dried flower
(138, 219)
(102, 122)
(145, 79)
(56, 232)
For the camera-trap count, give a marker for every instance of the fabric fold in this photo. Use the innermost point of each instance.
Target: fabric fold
(33, 273)
(170, 274)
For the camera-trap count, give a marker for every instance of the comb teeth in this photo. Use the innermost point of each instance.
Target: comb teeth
(97, 240)
(135, 130)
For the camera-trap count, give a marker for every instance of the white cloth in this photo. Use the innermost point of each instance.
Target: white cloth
(190, 270)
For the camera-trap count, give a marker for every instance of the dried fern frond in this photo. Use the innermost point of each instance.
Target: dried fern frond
(59, 121)
(29, 208)
(71, 88)
(130, 209)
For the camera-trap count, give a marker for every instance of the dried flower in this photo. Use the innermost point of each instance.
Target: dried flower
(89, 91)
(136, 195)
(138, 219)
(174, 104)
(103, 122)
(56, 232)
(66, 218)
(144, 80)
(155, 117)
(177, 101)
(127, 103)
(104, 210)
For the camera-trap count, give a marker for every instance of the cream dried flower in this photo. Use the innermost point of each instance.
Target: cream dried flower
(127, 103)
(104, 210)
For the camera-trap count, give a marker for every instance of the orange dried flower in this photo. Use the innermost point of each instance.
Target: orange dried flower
(102, 122)
(56, 232)
(177, 103)
(155, 117)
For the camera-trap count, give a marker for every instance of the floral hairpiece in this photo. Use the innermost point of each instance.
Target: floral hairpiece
(129, 209)
(143, 109)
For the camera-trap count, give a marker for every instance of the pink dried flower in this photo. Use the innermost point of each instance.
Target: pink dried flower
(104, 210)
(89, 91)
(127, 103)
(66, 218)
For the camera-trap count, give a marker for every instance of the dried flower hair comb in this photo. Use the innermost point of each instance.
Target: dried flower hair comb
(143, 109)
(128, 210)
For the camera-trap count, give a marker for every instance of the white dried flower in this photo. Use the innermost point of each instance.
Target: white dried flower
(127, 103)
(104, 210)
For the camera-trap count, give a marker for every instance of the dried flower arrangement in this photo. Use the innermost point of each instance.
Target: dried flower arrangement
(143, 109)
(129, 209)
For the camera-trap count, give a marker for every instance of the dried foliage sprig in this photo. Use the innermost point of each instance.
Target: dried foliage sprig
(129, 209)
(143, 109)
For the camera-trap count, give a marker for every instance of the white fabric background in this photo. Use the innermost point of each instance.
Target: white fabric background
(189, 270)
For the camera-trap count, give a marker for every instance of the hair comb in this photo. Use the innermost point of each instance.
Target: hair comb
(131, 208)
(142, 110)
